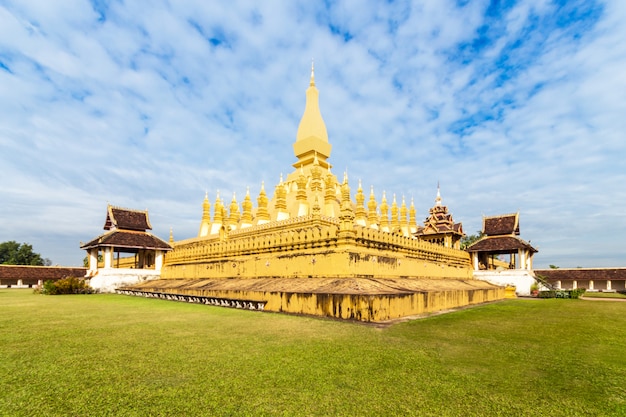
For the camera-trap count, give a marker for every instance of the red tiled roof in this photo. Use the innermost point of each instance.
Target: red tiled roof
(128, 240)
(507, 224)
(582, 274)
(500, 244)
(39, 272)
(126, 219)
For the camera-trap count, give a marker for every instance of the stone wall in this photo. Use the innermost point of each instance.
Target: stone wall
(25, 276)
(407, 298)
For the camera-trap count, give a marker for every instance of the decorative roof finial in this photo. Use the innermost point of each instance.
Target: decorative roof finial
(438, 199)
(312, 83)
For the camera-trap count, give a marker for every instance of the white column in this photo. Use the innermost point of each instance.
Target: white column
(93, 259)
(558, 284)
(475, 260)
(608, 284)
(108, 257)
(591, 284)
(574, 284)
(522, 259)
(158, 260)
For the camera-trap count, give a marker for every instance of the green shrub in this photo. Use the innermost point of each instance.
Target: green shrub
(576, 293)
(68, 285)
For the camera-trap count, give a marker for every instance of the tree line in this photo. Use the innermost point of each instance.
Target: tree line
(13, 253)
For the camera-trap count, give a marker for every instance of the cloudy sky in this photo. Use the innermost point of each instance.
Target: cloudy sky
(509, 105)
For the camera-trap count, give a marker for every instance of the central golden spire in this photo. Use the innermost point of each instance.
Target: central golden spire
(312, 137)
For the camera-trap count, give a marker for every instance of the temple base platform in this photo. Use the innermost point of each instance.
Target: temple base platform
(363, 299)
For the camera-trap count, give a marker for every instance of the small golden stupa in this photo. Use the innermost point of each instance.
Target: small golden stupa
(311, 249)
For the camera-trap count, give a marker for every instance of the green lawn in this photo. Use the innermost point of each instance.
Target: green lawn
(603, 295)
(123, 356)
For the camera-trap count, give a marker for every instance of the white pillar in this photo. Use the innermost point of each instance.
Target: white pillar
(93, 259)
(558, 284)
(475, 260)
(158, 260)
(591, 284)
(108, 257)
(522, 259)
(574, 284)
(608, 284)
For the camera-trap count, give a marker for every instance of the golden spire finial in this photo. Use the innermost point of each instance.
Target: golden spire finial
(246, 217)
(312, 135)
(312, 83)
(438, 199)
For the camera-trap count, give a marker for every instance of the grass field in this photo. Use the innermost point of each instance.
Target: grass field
(604, 295)
(111, 355)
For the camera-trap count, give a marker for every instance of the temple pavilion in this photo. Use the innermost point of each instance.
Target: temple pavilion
(311, 248)
(501, 238)
(126, 234)
(439, 227)
(501, 257)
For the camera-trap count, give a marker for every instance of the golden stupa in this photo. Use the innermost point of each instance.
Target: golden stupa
(311, 249)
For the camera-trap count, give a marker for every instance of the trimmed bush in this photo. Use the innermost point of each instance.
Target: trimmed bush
(576, 293)
(68, 285)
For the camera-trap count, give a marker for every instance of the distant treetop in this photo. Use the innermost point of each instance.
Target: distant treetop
(13, 253)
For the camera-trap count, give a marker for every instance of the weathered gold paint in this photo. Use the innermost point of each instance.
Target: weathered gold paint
(363, 299)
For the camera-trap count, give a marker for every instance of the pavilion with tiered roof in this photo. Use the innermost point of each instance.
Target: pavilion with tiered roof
(127, 234)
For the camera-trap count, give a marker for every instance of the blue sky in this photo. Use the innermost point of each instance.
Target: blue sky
(509, 105)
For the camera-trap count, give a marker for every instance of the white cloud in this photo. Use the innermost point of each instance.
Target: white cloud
(149, 105)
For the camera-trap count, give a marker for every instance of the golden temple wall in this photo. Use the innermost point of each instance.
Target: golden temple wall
(362, 307)
(379, 307)
(307, 247)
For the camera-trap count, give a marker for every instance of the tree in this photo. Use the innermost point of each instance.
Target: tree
(13, 253)
(469, 240)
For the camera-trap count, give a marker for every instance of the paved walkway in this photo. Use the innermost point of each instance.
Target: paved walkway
(602, 299)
